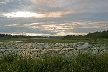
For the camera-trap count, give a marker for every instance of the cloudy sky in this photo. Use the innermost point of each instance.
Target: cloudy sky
(53, 17)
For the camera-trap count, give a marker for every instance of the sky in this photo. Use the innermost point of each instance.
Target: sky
(53, 17)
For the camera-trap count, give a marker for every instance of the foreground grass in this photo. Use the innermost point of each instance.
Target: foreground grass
(79, 63)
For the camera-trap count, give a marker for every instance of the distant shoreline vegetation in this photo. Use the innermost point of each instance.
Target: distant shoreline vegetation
(101, 34)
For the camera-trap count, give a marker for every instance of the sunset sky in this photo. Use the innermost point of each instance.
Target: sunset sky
(53, 17)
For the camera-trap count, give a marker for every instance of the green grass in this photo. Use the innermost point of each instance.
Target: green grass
(55, 40)
(80, 63)
(45, 40)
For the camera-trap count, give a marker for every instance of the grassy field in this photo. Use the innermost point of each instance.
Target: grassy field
(85, 62)
(54, 40)
(80, 63)
(49, 40)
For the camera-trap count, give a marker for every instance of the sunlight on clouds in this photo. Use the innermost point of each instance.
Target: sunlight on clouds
(48, 27)
(12, 25)
(23, 14)
(89, 24)
(59, 29)
(72, 33)
(34, 24)
(56, 14)
(61, 33)
(53, 17)
(20, 14)
(28, 34)
(36, 34)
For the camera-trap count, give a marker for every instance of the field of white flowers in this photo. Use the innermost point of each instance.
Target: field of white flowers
(39, 49)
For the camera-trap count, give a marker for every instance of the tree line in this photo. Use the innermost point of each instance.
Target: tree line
(101, 34)
(7, 36)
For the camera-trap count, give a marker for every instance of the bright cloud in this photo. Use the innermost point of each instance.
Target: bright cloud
(12, 25)
(23, 14)
(35, 15)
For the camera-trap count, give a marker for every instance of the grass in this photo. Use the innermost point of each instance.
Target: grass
(55, 40)
(80, 63)
(44, 40)
(85, 62)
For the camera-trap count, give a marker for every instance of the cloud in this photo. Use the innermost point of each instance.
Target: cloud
(29, 34)
(23, 14)
(53, 17)
(89, 24)
(4, 1)
(91, 6)
(56, 14)
(77, 6)
(51, 3)
(58, 28)
(35, 15)
(14, 25)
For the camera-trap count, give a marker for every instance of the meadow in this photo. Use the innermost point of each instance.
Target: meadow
(54, 55)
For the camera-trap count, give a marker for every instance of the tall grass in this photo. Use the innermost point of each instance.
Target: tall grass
(81, 63)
